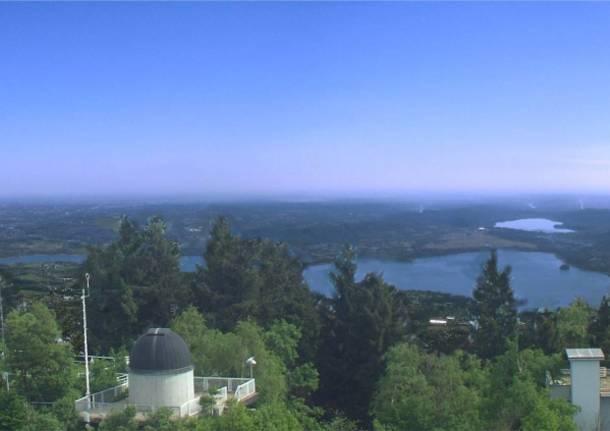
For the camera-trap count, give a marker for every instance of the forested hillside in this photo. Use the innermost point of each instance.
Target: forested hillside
(365, 359)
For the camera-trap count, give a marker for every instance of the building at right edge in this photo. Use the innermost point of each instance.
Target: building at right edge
(585, 384)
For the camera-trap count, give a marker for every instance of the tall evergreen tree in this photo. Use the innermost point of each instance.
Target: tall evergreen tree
(11, 297)
(367, 318)
(229, 286)
(539, 330)
(135, 283)
(112, 309)
(495, 309)
(600, 327)
(254, 279)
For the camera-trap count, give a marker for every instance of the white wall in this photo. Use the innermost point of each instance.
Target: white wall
(585, 393)
(161, 390)
(604, 421)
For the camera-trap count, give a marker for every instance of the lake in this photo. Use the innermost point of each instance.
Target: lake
(42, 258)
(536, 276)
(187, 263)
(534, 225)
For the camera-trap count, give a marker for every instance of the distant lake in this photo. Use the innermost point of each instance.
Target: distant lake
(187, 263)
(42, 258)
(534, 225)
(536, 276)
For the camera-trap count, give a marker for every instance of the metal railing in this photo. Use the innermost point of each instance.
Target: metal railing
(108, 400)
(110, 395)
(102, 398)
(189, 408)
(205, 384)
(564, 378)
(245, 390)
(122, 378)
(238, 388)
(82, 404)
(603, 372)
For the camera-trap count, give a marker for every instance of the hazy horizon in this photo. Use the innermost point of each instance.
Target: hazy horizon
(269, 100)
(415, 199)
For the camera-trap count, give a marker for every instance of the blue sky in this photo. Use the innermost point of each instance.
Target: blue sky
(289, 98)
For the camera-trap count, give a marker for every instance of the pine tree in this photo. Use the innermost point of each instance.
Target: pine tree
(135, 283)
(255, 279)
(600, 327)
(366, 319)
(495, 310)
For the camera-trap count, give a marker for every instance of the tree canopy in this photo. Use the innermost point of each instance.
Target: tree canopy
(42, 364)
(365, 358)
(366, 318)
(420, 391)
(495, 309)
(136, 283)
(254, 279)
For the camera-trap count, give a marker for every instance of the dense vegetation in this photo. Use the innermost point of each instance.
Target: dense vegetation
(316, 231)
(367, 358)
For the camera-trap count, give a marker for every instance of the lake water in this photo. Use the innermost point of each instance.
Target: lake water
(534, 225)
(42, 258)
(187, 263)
(536, 276)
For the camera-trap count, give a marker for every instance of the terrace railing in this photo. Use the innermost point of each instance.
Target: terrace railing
(245, 390)
(205, 384)
(225, 388)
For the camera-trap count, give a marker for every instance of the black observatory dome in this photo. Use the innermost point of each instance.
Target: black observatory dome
(160, 350)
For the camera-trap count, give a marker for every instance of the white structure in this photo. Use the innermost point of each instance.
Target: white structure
(587, 386)
(584, 370)
(160, 370)
(161, 375)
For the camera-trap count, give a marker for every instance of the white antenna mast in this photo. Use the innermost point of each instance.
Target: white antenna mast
(83, 297)
(2, 318)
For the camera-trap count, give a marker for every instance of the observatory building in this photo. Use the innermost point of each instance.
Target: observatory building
(160, 370)
(161, 374)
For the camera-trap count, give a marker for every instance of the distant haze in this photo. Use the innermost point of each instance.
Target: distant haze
(314, 98)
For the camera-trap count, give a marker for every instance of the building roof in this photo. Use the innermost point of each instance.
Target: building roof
(160, 349)
(589, 353)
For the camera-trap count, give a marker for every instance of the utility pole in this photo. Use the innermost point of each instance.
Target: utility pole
(2, 319)
(5, 373)
(83, 297)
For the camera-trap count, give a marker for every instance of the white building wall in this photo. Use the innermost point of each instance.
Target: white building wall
(604, 422)
(161, 390)
(585, 393)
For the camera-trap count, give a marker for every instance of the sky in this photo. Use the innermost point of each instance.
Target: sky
(230, 99)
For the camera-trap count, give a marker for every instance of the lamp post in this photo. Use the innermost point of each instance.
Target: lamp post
(251, 363)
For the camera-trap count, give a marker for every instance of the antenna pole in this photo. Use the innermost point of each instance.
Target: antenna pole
(2, 319)
(5, 374)
(83, 297)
